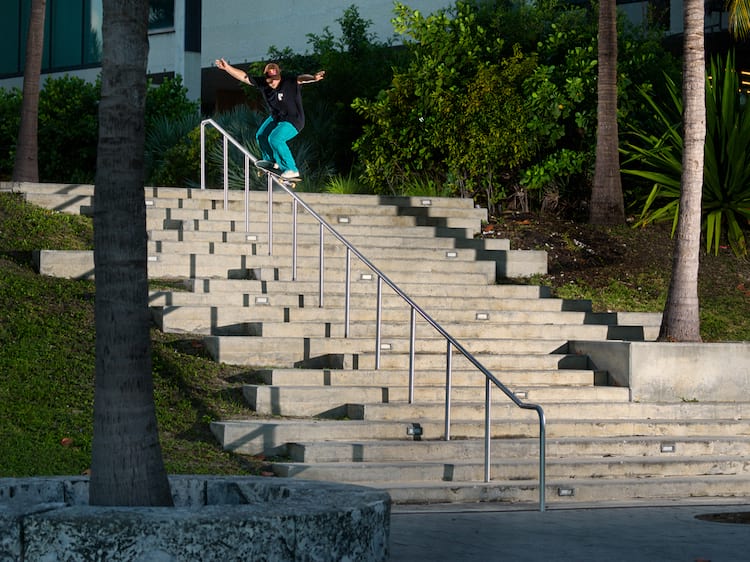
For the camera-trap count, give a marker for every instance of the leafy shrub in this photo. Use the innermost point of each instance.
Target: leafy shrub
(657, 158)
(173, 151)
(169, 102)
(68, 129)
(10, 120)
(453, 116)
(499, 102)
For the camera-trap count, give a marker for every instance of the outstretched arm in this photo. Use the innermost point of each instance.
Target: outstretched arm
(308, 78)
(234, 72)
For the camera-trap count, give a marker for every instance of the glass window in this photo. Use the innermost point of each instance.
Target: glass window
(92, 42)
(66, 33)
(10, 37)
(72, 32)
(160, 14)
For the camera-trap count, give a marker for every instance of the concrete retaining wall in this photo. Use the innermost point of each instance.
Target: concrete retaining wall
(214, 519)
(673, 372)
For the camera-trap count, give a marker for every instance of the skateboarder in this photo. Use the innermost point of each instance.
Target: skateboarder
(283, 95)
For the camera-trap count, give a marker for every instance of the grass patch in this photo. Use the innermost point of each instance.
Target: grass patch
(47, 362)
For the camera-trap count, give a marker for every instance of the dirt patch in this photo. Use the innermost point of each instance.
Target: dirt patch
(639, 258)
(582, 252)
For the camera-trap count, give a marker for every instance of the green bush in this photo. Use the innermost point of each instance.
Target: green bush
(68, 130)
(169, 102)
(69, 126)
(10, 120)
(435, 115)
(499, 102)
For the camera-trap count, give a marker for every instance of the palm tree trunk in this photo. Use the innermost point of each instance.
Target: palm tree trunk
(127, 467)
(681, 319)
(607, 205)
(26, 164)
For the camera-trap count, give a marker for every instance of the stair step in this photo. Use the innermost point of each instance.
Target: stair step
(353, 353)
(567, 491)
(383, 377)
(554, 411)
(451, 470)
(414, 290)
(355, 401)
(466, 449)
(272, 436)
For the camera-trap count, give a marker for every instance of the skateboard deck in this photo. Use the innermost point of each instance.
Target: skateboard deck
(289, 182)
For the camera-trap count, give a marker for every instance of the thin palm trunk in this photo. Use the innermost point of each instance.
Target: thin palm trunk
(127, 467)
(681, 319)
(607, 205)
(26, 164)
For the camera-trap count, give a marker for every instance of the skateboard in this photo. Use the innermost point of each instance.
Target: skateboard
(288, 182)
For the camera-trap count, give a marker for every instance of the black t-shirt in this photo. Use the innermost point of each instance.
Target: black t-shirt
(284, 102)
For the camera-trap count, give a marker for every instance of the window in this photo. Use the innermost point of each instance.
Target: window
(72, 33)
(160, 15)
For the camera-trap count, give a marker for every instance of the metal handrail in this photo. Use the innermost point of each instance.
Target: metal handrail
(451, 342)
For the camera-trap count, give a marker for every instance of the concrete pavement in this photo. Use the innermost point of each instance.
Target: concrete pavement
(627, 533)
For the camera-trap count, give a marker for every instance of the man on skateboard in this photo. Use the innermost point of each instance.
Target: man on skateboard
(283, 95)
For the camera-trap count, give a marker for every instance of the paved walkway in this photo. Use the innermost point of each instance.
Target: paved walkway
(632, 533)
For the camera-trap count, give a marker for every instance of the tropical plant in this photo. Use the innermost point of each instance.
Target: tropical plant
(345, 185)
(173, 151)
(657, 158)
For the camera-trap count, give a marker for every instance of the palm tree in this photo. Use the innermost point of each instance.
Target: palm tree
(681, 319)
(739, 17)
(26, 164)
(607, 205)
(127, 467)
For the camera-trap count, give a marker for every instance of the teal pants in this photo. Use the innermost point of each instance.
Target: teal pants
(272, 137)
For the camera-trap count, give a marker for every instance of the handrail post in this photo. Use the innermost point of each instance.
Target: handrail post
(270, 215)
(487, 433)
(542, 458)
(321, 265)
(347, 291)
(448, 388)
(412, 338)
(203, 155)
(379, 306)
(247, 194)
(294, 239)
(226, 165)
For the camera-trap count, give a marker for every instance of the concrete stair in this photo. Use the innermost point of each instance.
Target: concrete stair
(323, 412)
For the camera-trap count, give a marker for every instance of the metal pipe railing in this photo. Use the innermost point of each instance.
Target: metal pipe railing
(415, 309)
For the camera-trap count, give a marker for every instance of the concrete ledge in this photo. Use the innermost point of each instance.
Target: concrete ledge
(214, 519)
(673, 372)
(68, 264)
